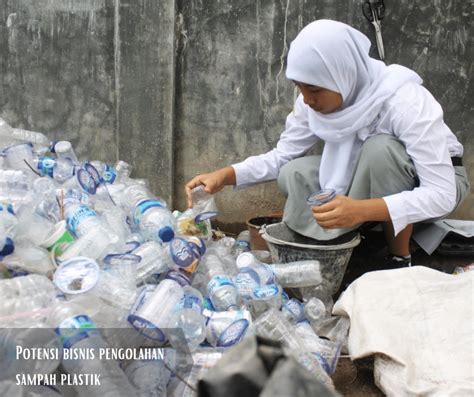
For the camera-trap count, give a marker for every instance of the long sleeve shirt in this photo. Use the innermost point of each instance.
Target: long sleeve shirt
(414, 117)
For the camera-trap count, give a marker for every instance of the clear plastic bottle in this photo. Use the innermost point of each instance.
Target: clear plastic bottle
(293, 310)
(223, 293)
(151, 311)
(315, 311)
(298, 274)
(242, 243)
(8, 226)
(108, 174)
(64, 151)
(154, 260)
(225, 329)
(25, 300)
(9, 135)
(187, 321)
(77, 331)
(154, 219)
(15, 186)
(59, 169)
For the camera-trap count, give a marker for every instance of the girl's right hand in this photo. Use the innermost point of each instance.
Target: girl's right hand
(212, 182)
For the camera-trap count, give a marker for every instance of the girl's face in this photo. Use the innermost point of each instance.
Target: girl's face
(320, 99)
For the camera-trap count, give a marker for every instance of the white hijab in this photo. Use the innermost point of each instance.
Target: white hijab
(334, 56)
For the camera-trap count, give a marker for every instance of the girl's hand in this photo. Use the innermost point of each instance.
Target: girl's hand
(341, 212)
(212, 182)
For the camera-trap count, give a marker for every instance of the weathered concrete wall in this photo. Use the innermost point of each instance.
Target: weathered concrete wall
(181, 87)
(233, 98)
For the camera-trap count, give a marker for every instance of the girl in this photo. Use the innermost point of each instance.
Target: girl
(387, 151)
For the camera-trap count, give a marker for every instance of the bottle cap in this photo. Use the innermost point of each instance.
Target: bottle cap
(8, 247)
(166, 234)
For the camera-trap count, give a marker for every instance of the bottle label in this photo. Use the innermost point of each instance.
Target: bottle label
(246, 282)
(46, 166)
(233, 333)
(296, 309)
(189, 301)
(182, 253)
(79, 215)
(109, 174)
(266, 292)
(218, 282)
(75, 329)
(144, 206)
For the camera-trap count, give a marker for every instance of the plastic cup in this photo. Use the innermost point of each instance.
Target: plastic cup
(77, 275)
(320, 197)
(16, 155)
(59, 239)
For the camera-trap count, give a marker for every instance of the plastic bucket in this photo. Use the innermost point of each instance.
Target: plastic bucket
(257, 243)
(286, 246)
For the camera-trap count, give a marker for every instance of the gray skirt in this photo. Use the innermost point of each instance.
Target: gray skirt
(383, 168)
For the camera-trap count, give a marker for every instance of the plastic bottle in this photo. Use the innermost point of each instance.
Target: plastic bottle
(315, 311)
(293, 310)
(15, 187)
(225, 329)
(149, 377)
(59, 169)
(78, 331)
(25, 300)
(124, 170)
(45, 201)
(64, 151)
(107, 173)
(298, 274)
(223, 293)
(187, 321)
(153, 218)
(154, 260)
(242, 243)
(265, 297)
(151, 312)
(8, 226)
(9, 135)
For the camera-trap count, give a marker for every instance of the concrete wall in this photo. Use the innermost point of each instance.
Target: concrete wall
(180, 87)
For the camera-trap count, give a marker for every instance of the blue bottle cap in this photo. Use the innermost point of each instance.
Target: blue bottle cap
(166, 234)
(8, 248)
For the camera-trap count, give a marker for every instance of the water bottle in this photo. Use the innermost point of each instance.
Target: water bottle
(123, 170)
(298, 274)
(265, 297)
(315, 311)
(293, 310)
(326, 351)
(25, 300)
(15, 187)
(64, 151)
(187, 324)
(9, 135)
(242, 243)
(45, 201)
(77, 331)
(19, 156)
(154, 260)
(59, 169)
(149, 377)
(8, 227)
(223, 293)
(107, 173)
(151, 312)
(153, 218)
(225, 329)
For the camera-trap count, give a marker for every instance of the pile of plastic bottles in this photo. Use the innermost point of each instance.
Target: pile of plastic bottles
(85, 247)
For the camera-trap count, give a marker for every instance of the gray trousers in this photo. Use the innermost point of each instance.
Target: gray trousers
(383, 168)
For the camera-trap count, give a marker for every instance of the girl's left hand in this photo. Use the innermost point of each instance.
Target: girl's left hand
(341, 212)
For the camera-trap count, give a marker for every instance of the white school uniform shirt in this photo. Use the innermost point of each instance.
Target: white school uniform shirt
(414, 117)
